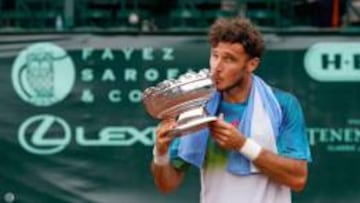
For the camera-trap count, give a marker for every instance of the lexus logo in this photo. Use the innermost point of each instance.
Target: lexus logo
(44, 134)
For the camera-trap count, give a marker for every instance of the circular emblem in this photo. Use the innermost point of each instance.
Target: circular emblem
(44, 134)
(43, 74)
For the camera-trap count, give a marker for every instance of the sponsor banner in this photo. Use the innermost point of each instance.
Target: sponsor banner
(333, 62)
(73, 128)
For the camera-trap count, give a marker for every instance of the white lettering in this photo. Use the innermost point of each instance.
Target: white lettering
(86, 53)
(130, 74)
(127, 52)
(168, 54)
(108, 75)
(117, 136)
(87, 75)
(107, 54)
(115, 96)
(135, 96)
(147, 54)
(151, 74)
(172, 73)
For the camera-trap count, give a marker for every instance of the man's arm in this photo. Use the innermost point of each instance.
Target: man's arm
(166, 177)
(287, 171)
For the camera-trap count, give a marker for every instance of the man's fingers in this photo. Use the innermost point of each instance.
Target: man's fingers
(169, 123)
(216, 133)
(164, 127)
(219, 124)
(221, 116)
(220, 142)
(220, 131)
(164, 140)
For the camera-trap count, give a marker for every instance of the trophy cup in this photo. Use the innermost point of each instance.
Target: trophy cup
(182, 99)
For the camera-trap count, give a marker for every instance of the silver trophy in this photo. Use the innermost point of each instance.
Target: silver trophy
(182, 99)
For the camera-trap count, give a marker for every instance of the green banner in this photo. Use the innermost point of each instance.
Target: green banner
(73, 128)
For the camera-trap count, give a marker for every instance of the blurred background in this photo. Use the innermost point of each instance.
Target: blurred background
(162, 15)
(73, 128)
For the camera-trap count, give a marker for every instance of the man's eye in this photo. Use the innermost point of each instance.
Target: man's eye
(229, 59)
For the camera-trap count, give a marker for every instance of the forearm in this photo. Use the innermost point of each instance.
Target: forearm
(290, 172)
(166, 177)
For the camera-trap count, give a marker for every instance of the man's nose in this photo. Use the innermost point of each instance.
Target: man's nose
(217, 65)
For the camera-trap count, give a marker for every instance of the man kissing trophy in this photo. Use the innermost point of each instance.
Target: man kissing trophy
(182, 99)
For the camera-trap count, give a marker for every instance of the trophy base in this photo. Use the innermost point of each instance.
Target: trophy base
(191, 121)
(191, 126)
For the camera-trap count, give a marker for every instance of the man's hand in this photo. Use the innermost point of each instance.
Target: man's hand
(226, 135)
(287, 171)
(163, 139)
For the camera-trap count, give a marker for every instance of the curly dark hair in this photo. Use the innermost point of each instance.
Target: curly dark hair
(237, 30)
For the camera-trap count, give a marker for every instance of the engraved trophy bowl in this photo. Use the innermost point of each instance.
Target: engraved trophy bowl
(182, 99)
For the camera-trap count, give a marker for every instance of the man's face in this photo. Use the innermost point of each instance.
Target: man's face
(229, 65)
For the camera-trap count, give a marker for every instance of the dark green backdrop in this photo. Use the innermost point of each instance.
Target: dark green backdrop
(93, 143)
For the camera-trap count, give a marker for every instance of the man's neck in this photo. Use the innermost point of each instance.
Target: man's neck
(240, 93)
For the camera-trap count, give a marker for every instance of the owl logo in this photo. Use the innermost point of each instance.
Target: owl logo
(43, 74)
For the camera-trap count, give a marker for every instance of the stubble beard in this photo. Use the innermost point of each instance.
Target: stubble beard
(236, 85)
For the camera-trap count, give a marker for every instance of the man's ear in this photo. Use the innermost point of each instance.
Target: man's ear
(252, 64)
